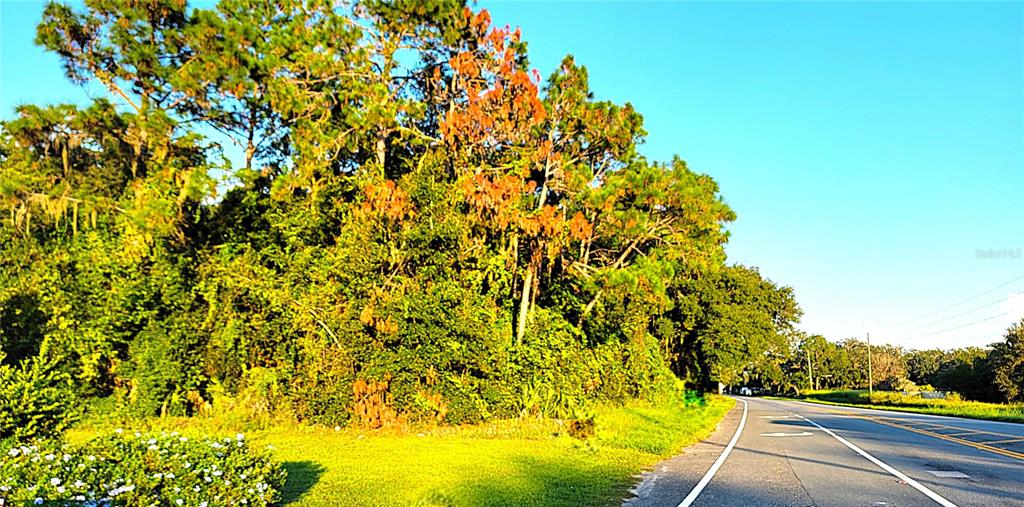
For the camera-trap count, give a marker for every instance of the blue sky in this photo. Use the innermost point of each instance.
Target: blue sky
(874, 152)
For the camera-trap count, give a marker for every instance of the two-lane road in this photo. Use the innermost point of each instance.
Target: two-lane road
(786, 453)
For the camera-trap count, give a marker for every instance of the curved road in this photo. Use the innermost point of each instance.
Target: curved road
(801, 454)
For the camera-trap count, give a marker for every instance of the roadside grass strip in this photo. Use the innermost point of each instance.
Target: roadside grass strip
(527, 461)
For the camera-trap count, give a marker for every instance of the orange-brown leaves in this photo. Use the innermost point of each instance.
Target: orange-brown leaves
(366, 316)
(490, 99)
(387, 200)
(496, 200)
(579, 227)
(372, 404)
(384, 325)
(547, 222)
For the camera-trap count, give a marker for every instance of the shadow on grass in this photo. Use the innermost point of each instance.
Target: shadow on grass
(539, 481)
(302, 475)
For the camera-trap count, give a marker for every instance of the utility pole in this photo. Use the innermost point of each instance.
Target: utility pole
(871, 389)
(810, 370)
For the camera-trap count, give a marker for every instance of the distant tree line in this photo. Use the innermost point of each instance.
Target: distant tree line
(994, 373)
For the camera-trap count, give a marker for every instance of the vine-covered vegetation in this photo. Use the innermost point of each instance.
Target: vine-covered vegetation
(362, 213)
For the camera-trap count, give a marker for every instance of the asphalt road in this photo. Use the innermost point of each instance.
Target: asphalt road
(800, 454)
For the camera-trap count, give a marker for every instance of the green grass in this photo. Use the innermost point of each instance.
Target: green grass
(897, 401)
(520, 462)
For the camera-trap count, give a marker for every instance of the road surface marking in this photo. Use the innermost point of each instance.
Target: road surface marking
(899, 475)
(774, 417)
(969, 443)
(1009, 441)
(718, 462)
(949, 474)
(801, 434)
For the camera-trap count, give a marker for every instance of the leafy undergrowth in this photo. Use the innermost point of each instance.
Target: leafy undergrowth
(519, 462)
(886, 400)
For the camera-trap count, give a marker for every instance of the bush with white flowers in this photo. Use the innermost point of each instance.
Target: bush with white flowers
(139, 469)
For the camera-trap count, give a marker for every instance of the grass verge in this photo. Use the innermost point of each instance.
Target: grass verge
(895, 401)
(521, 462)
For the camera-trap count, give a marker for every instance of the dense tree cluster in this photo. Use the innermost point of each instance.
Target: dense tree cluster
(361, 211)
(994, 373)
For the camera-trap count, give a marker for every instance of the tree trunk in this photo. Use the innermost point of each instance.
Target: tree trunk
(524, 305)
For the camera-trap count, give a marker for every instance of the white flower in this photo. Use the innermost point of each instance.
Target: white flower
(60, 489)
(151, 441)
(217, 473)
(39, 501)
(170, 475)
(183, 439)
(188, 465)
(153, 448)
(202, 504)
(91, 457)
(137, 434)
(196, 489)
(79, 484)
(55, 481)
(119, 431)
(49, 457)
(67, 457)
(240, 436)
(13, 452)
(179, 501)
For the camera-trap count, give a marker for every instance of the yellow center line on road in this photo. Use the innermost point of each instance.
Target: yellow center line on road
(909, 426)
(976, 445)
(957, 430)
(1008, 441)
(966, 433)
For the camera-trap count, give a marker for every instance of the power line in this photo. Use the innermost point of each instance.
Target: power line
(969, 324)
(930, 324)
(954, 305)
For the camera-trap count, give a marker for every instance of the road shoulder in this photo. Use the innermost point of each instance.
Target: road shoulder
(670, 480)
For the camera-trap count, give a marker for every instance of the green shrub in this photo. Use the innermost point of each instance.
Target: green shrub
(165, 469)
(163, 370)
(321, 385)
(36, 399)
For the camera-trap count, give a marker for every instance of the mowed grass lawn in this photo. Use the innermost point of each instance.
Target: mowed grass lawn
(519, 462)
(884, 400)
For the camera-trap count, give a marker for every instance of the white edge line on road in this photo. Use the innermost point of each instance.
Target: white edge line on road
(718, 462)
(900, 475)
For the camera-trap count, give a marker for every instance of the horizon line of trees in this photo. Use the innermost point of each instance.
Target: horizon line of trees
(993, 374)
